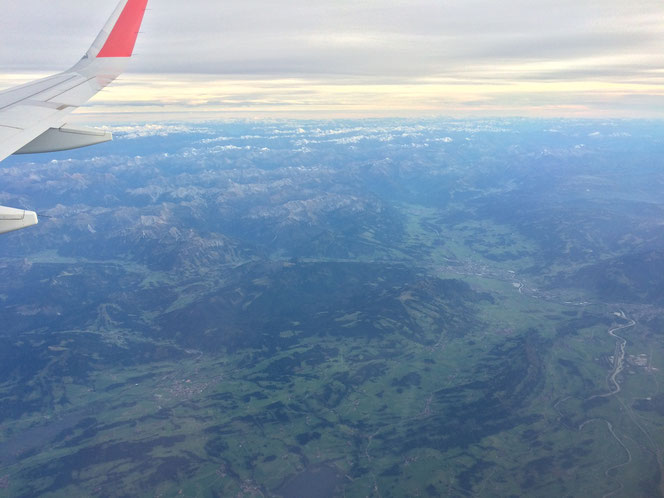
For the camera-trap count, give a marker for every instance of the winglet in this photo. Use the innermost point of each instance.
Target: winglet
(118, 37)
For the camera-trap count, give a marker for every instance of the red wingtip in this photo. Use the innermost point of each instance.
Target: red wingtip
(121, 41)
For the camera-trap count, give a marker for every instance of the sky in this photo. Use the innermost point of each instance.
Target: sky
(215, 59)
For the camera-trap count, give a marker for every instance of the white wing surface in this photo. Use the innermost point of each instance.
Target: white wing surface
(33, 117)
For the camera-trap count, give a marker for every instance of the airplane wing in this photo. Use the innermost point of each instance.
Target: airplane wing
(33, 117)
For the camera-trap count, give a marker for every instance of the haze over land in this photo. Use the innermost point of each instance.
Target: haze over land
(371, 307)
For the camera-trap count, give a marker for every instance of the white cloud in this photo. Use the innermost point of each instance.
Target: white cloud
(150, 130)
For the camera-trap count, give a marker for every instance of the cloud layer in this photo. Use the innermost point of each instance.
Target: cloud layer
(515, 57)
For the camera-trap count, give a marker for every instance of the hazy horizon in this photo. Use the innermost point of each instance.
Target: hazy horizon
(369, 59)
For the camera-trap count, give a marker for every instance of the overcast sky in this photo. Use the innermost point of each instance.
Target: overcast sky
(212, 58)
